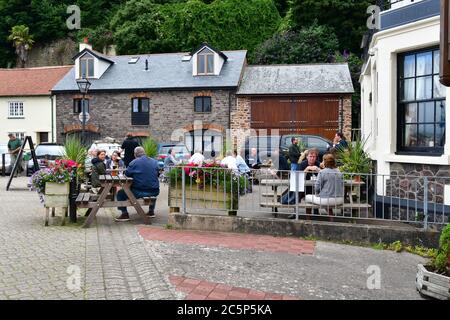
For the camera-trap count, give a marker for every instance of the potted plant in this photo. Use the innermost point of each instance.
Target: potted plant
(354, 160)
(210, 186)
(433, 280)
(52, 183)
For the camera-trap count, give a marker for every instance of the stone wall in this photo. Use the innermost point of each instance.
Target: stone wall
(347, 115)
(56, 53)
(407, 181)
(240, 121)
(171, 113)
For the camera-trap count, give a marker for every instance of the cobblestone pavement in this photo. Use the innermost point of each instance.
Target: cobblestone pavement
(132, 261)
(111, 258)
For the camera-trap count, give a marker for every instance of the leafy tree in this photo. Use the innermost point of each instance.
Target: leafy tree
(143, 26)
(23, 41)
(308, 45)
(282, 6)
(347, 18)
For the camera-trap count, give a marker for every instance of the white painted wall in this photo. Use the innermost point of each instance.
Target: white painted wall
(218, 63)
(37, 117)
(382, 113)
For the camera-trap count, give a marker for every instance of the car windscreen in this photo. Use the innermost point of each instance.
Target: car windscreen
(52, 151)
(178, 149)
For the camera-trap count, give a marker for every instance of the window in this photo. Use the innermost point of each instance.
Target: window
(140, 109)
(421, 103)
(77, 103)
(42, 136)
(202, 104)
(87, 67)
(205, 62)
(19, 135)
(15, 109)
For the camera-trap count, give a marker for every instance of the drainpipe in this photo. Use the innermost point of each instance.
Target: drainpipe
(229, 118)
(53, 135)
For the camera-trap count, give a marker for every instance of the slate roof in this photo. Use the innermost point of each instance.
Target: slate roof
(296, 79)
(166, 71)
(30, 81)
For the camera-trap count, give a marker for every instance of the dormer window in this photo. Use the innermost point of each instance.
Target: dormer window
(205, 62)
(87, 66)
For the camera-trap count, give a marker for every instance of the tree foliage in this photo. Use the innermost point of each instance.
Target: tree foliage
(308, 45)
(144, 26)
(347, 18)
(20, 37)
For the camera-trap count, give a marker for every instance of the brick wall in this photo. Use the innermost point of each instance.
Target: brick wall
(240, 121)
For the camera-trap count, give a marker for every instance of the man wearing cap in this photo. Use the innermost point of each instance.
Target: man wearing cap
(14, 145)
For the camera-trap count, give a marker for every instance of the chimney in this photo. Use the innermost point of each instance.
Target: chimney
(85, 44)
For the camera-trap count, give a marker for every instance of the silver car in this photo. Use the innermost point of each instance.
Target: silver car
(4, 150)
(46, 154)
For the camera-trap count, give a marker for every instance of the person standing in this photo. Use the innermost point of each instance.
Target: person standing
(294, 154)
(128, 146)
(145, 172)
(14, 145)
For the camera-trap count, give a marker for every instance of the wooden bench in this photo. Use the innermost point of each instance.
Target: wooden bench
(88, 200)
(315, 206)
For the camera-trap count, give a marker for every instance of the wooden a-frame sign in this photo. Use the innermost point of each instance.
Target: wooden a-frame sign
(19, 159)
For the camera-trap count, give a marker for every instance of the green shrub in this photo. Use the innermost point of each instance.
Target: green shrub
(441, 262)
(150, 147)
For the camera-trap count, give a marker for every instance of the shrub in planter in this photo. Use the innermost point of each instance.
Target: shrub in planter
(208, 186)
(434, 279)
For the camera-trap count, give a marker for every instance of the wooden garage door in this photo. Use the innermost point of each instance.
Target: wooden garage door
(316, 115)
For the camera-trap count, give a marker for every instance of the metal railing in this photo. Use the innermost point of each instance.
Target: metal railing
(416, 200)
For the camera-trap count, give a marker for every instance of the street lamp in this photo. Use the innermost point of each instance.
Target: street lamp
(83, 85)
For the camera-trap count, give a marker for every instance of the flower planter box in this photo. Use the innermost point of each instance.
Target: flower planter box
(56, 195)
(208, 198)
(432, 284)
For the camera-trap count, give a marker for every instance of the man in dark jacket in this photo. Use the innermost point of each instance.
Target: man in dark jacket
(294, 154)
(129, 145)
(144, 171)
(98, 168)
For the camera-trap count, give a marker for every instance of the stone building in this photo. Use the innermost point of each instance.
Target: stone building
(196, 97)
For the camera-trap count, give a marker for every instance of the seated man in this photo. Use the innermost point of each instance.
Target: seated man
(253, 160)
(229, 161)
(144, 171)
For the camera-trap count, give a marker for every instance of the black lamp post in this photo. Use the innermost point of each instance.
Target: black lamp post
(83, 85)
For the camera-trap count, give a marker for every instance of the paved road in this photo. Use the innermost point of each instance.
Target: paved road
(126, 261)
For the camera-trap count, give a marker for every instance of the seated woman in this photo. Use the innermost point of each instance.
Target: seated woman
(329, 185)
(115, 162)
(98, 168)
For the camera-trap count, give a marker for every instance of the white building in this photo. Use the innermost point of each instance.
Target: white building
(403, 107)
(26, 104)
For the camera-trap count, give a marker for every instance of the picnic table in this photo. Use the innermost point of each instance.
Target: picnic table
(106, 197)
(352, 189)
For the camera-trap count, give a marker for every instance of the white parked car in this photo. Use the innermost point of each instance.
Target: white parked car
(108, 147)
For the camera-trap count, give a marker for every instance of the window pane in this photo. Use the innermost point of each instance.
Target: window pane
(440, 111)
(145, 105)
(210, 63)
(438, 88)
(135, 105)
(409, 65)
(424, 88)
(201, 64)
(206, 104)
(410, 135)
(436, 62)
(426, 112)
(426, 135)
(424, 63)
(440, 135)
(411, 113)
(408, 89)
(198, 104)
(90, 67)
(82, 68)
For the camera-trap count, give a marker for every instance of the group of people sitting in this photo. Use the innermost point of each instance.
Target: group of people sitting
(144, 171)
